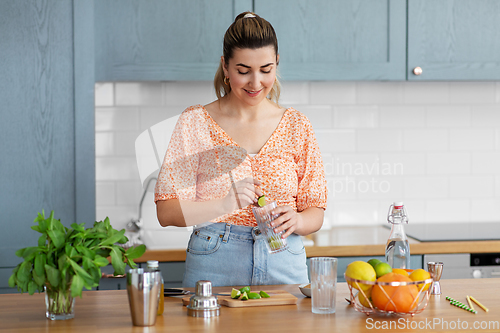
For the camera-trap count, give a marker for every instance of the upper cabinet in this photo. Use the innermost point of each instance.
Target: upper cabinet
(339, 39)
(161, 40)
(318, 39)
(454, 39)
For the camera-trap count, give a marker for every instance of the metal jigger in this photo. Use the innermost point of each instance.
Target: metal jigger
(436, 270)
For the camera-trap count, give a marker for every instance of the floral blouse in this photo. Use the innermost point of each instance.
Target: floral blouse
(202, 161)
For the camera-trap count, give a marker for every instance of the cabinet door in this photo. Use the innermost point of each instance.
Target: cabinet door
(454, 39)
(161, 39)
(339, 39)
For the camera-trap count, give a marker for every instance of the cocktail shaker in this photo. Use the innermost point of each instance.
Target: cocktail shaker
(143, 289)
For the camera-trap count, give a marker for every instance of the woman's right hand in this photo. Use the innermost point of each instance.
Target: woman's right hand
(241, 194)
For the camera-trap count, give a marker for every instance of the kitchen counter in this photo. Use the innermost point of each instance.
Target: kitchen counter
(356, 241)
(108, 311)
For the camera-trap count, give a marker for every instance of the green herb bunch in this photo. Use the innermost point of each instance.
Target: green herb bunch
(71, 258)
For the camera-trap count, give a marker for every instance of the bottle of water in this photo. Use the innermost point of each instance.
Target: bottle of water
(153, 266)
(397, 250)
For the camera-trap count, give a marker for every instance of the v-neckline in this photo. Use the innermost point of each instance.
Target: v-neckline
(235, 143)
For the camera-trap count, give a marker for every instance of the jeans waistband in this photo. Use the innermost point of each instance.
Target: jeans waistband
(239, 231)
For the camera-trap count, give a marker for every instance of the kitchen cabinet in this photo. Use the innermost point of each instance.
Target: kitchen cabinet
(47, 119)
(318, 39)
(161, 40)
(454, 39)
(339, 39)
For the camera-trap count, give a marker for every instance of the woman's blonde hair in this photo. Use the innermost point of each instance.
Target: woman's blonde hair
(248, 31)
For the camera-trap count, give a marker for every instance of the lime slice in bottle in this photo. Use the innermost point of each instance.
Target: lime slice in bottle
(261, 201)
(263, 294)
(235, 293)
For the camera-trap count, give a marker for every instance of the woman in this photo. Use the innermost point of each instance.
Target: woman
(224, 155)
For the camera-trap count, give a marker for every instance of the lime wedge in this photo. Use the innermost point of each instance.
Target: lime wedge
(261, 201)
(235, 293)
(263, 294)
(253, 296)
(244, 296)
(245, 289)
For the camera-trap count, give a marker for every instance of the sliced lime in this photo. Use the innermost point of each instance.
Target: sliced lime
(244, 296)
(261, 201)
(253, 296)
(245, 289)
(263, 294)
(235, 293)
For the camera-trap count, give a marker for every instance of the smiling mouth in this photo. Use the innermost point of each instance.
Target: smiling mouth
(253, 92)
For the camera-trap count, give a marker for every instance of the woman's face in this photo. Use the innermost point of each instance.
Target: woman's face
(251, 73)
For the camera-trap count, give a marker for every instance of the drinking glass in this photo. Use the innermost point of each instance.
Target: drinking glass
(323, 271)
(264, 217)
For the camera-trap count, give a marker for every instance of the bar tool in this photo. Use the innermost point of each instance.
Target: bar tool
(203, 303)
(436, 270)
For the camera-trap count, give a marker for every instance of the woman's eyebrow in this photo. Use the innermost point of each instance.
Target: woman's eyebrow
(246, 66)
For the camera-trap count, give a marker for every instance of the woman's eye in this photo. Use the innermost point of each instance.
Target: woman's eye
(269, 71)
(242, 72)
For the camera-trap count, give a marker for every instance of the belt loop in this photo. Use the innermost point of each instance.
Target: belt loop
(226, 233)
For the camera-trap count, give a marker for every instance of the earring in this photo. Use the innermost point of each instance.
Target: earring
(226, 80)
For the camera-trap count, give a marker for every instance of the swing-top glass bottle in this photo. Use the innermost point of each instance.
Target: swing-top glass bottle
(397, 250)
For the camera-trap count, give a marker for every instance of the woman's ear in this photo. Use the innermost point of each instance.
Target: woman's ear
(224, 66)
(277, 60)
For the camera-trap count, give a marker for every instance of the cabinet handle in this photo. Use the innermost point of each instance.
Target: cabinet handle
(417, 70)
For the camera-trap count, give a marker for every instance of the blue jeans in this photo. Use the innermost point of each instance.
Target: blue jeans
(231, 255)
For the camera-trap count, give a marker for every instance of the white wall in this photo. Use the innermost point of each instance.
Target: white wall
(433, 145)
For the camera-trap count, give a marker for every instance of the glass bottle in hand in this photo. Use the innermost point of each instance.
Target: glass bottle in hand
(397, 250)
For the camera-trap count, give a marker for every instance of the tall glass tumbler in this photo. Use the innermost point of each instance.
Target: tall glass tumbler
(323, 271)
(143, 289)
(264, 217)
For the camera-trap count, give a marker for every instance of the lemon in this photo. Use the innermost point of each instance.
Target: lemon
(253, 296)
(235, 293)
(421, 275)
(382, 268)
(263, 294)
(374, 262)
(244, 296)
(360, 270)
(245, 289)
(261, 201)
(365, 301)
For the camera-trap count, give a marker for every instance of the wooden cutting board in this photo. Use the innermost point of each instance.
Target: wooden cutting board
(278, 297)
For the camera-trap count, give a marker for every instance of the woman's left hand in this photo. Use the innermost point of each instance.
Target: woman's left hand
(289, 220)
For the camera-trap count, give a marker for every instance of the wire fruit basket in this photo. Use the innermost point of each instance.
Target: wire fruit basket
(398, 298)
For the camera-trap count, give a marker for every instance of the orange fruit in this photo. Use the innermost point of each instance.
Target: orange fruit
(400, 271)
(421, 275)
(395, 298)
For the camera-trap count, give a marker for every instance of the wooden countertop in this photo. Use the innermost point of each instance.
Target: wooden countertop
(108, 311)
(356, 241)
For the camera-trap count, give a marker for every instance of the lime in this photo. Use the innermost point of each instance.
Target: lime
(235, 293)
(374, 262)
(245, 289)
(244, 296)
(261, 201)
(253, 296)
(263, 294)
(382, 268)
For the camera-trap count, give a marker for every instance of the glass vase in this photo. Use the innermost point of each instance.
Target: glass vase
(59, 304)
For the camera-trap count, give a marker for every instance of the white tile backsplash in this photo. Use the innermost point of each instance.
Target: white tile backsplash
(433, 145)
